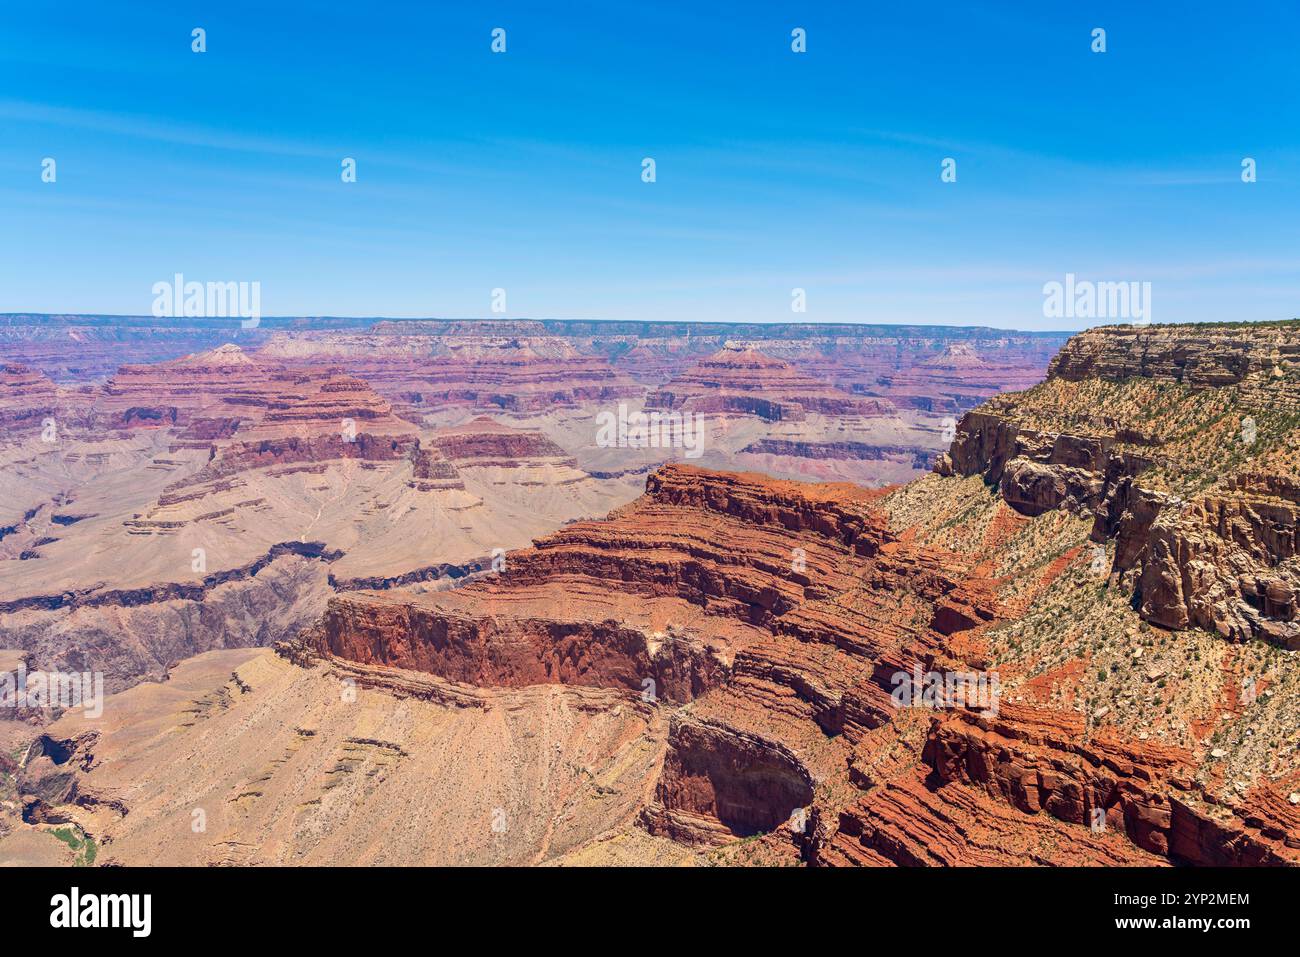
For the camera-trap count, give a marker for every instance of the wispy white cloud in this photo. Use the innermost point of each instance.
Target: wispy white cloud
(152, 128)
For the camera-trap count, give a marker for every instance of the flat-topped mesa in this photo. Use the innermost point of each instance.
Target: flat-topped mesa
(513, 373)
(1182, 443)
(858, 359)
(512, 461)
(471, 328)
(745, 381)
(483, 442)
(86, 350)
(224, 385)
(339, 417)
(938, 373)
(518, 375)
(1199, 356)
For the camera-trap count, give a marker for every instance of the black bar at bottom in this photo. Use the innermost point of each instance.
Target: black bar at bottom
(612, 907)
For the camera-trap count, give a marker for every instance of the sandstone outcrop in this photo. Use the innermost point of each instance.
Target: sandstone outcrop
(1201, 356)
(1181, 443)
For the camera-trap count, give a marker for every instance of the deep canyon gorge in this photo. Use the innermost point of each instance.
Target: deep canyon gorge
(372, 592)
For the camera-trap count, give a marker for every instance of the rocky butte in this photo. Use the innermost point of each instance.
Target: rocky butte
(771, 416)
(744, 381)
(27, 399)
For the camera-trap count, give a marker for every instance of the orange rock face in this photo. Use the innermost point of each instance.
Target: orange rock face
(785, 614)
(721, 588)
(1200, 356)
(1137, 801)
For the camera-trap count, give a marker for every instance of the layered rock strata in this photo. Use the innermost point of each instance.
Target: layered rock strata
(1181, 444)
(773, 620)
(747, 382)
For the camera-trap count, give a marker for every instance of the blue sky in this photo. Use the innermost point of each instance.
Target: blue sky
(775, 170)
